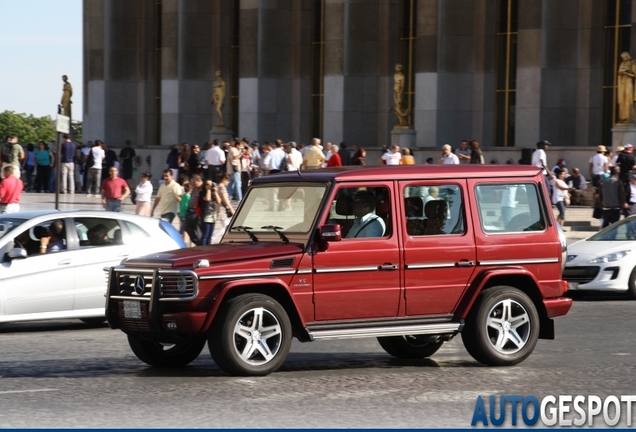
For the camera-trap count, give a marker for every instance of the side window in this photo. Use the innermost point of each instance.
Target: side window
(97, 232)
(362, 212)
(30, 238)
(434, 210)
(508, 208)
(135, 233)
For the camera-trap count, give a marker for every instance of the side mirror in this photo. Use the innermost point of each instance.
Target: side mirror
(16, 253)
(331, 232)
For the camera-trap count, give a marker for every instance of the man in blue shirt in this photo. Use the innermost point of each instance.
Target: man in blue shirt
(67, 165)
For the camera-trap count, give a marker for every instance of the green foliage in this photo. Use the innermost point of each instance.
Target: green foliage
(28, 129)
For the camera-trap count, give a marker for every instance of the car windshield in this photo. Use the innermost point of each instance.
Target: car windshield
(289, 209)
(7, 224)
(624, 230)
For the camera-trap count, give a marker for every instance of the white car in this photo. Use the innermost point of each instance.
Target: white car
(605, 261)
(37, 284)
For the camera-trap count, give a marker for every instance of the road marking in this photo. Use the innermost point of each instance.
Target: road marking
(27, 391)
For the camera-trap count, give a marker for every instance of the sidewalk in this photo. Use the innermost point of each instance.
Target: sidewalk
(579, 223)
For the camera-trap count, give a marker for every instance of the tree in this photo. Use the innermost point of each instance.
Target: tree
(28, 129)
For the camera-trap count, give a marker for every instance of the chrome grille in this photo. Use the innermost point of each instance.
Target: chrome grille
(174, 285)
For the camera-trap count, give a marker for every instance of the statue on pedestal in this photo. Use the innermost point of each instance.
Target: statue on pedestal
(218, 98)
(403, 114)
(625, 89)
(67, 92)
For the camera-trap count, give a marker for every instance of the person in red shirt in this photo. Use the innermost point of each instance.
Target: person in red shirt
(114, 191)
(10, 190)
(334, 160)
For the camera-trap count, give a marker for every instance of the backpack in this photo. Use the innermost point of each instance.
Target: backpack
(7, 153)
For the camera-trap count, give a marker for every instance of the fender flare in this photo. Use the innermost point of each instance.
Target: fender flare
(223, 290)
(483, 278)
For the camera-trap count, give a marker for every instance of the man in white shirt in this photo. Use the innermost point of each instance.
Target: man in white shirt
(93, 181)
(367, 223)
(327, 152)
(294, 158)
(448, 158)
(275, 158)
(392, 157)
(599, 165)
(215, 158)
(539, 157)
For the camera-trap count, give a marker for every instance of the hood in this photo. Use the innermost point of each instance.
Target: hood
(585, 250)
(219, 253)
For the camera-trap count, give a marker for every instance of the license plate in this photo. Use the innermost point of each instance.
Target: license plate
(573, 285)
(132, 309)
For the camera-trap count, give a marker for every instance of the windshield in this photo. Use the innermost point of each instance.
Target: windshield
(624, 230)
(7, 224)
(292, 209)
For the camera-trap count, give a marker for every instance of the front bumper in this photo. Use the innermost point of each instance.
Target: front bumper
(610, 277)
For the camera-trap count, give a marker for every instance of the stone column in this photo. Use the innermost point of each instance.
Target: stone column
(271, 81)
(356, 73)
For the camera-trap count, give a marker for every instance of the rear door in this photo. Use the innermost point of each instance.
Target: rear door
(439, 249)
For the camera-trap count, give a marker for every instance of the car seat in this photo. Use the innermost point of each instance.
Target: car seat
(435, 212)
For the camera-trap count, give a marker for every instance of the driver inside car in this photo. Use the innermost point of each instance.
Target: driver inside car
(366, 222)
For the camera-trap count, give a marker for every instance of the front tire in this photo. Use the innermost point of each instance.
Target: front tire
(631, 287)
(502, 327)
(251, 335)
(410, 347)
(166, 355)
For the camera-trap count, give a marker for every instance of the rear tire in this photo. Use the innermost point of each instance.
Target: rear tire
(410, 347)
(250, 336)
(502, 327)
(166, 355)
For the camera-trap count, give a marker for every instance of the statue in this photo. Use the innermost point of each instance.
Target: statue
(67, 92)
(625, 89)
(403, 114)
(218, 98)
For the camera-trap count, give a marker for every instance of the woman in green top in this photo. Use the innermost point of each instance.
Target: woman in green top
(44, 161)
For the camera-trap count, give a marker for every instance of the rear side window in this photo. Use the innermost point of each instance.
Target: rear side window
(434, 210)
(510, 208)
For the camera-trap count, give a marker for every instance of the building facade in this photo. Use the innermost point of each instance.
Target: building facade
(504, 72)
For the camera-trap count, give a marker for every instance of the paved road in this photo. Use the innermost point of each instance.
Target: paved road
(68, 374)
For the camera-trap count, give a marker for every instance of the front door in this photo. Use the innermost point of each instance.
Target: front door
(359, 277)
(43, 283)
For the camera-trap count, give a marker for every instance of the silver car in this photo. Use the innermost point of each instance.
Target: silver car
(66, 279)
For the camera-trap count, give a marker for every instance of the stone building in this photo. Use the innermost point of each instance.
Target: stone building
(506, 72)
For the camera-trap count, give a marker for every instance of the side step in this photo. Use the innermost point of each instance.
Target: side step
(418, 329)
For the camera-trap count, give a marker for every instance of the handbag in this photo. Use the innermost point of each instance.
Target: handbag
(597, 213)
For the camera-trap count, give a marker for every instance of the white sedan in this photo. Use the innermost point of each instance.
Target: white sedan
(67, 279)
(605, 261)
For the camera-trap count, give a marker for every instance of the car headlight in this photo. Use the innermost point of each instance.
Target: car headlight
(610, 257)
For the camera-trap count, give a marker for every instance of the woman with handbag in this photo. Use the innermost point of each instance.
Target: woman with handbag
(192, 223)
(560, 190)
(209, 199)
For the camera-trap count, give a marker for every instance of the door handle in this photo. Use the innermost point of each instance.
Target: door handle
(64, 262)
(465, 263)
(388, 267)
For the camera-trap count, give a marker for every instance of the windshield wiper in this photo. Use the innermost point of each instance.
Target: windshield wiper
(277, 229)
(247, 231)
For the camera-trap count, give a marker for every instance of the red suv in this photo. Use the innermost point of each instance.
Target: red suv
(412, 255)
